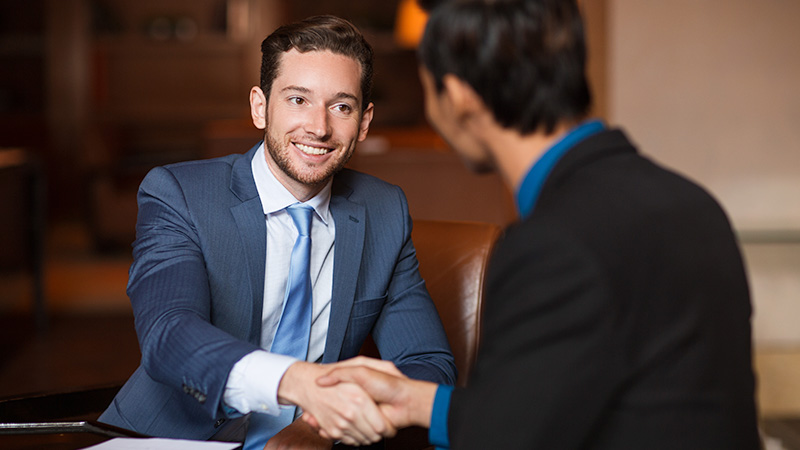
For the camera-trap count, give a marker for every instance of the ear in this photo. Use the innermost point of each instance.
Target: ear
(258, 107)
(463, 99)
(366, 119)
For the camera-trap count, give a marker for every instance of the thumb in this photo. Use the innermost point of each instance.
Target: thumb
(341, 375)
(328, 381)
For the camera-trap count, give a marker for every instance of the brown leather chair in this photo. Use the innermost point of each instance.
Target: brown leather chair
(453, 257)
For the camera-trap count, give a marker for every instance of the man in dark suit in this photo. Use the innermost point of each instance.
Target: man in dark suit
(617, 312)
(212, 256)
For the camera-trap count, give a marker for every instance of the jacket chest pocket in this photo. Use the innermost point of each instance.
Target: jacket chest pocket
(366, 308)
(363, 316)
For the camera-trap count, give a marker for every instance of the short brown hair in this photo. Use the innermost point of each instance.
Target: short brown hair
(317, 33)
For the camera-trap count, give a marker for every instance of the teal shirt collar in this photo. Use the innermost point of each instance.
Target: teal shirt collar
(531, 186)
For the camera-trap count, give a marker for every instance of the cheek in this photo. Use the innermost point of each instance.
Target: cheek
(347, 130)
(283, 121)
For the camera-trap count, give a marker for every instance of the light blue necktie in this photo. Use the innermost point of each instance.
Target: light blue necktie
(294, 328)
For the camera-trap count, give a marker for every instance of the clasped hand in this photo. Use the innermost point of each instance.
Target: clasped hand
(393, 401)
(338, 408)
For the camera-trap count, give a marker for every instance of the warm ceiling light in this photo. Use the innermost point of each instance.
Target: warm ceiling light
(410, 24)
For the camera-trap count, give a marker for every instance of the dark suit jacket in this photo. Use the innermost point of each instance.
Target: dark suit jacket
(617, 316)
(197, 284)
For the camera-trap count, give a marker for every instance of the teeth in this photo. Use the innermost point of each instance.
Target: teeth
(311, 150)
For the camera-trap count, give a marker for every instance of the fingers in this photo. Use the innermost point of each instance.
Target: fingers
(377, 384)
(311, 420)
(380, 365)
(364, 423)
(344, 375)
(314, 423)
(386, 390)
(342, 411)
(380, 423)
(402, 401)
(345, 412)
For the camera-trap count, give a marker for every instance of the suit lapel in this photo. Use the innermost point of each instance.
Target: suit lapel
(252, 228)
(350, 232)
(350, 219)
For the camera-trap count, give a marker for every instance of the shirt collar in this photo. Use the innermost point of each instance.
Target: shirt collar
(275, 197)
(531, 186)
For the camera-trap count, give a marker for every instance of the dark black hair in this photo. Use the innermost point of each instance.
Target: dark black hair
(526, 59)
(428, 5)
(317, 33)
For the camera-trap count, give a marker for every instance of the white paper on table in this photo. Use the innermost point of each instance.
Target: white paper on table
(162, 444)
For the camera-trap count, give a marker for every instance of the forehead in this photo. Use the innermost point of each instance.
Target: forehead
(321, 72)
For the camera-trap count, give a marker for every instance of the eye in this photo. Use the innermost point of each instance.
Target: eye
(297, 100)
(343, 108)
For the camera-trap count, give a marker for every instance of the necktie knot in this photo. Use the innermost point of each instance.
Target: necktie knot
(301, 215)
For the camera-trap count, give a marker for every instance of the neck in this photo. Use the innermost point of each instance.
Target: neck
(515, 153)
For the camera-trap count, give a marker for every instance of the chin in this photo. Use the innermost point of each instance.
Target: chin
(311, 178)
(481, 167)
(476, 165)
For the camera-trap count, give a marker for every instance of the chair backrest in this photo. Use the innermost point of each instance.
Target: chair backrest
(453, 257)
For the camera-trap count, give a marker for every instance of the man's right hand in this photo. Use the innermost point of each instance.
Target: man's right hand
(345, 411)
(403, 401)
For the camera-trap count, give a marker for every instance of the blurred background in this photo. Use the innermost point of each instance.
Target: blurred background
(93, 93)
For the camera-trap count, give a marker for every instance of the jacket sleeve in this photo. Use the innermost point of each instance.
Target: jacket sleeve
(169, 291)
(409, 331)
(548, 349)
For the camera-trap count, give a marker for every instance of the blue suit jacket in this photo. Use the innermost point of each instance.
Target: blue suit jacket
(197, 282)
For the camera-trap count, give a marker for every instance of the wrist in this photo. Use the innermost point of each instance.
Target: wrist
(294, 383)
(422, 394)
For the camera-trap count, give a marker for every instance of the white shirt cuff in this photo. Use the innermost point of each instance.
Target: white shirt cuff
(253, 382)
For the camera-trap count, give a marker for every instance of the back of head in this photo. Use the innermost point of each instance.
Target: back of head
(525, 58)
(317, 33)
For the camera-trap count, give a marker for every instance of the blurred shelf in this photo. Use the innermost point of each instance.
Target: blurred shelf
(769, 236)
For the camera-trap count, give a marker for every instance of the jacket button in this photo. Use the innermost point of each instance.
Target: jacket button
(218, 423)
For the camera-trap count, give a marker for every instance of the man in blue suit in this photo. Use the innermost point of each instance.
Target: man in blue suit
(211, 262)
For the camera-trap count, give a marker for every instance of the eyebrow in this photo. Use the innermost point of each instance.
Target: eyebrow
(303, 90)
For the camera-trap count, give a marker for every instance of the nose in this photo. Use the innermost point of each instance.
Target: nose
(317, 123)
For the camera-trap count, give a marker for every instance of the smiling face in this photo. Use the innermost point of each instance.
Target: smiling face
(312, 119)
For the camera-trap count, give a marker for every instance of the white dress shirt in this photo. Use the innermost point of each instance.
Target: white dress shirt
(253, 382)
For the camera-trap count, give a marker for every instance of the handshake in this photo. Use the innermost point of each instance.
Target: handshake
(358, 401)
